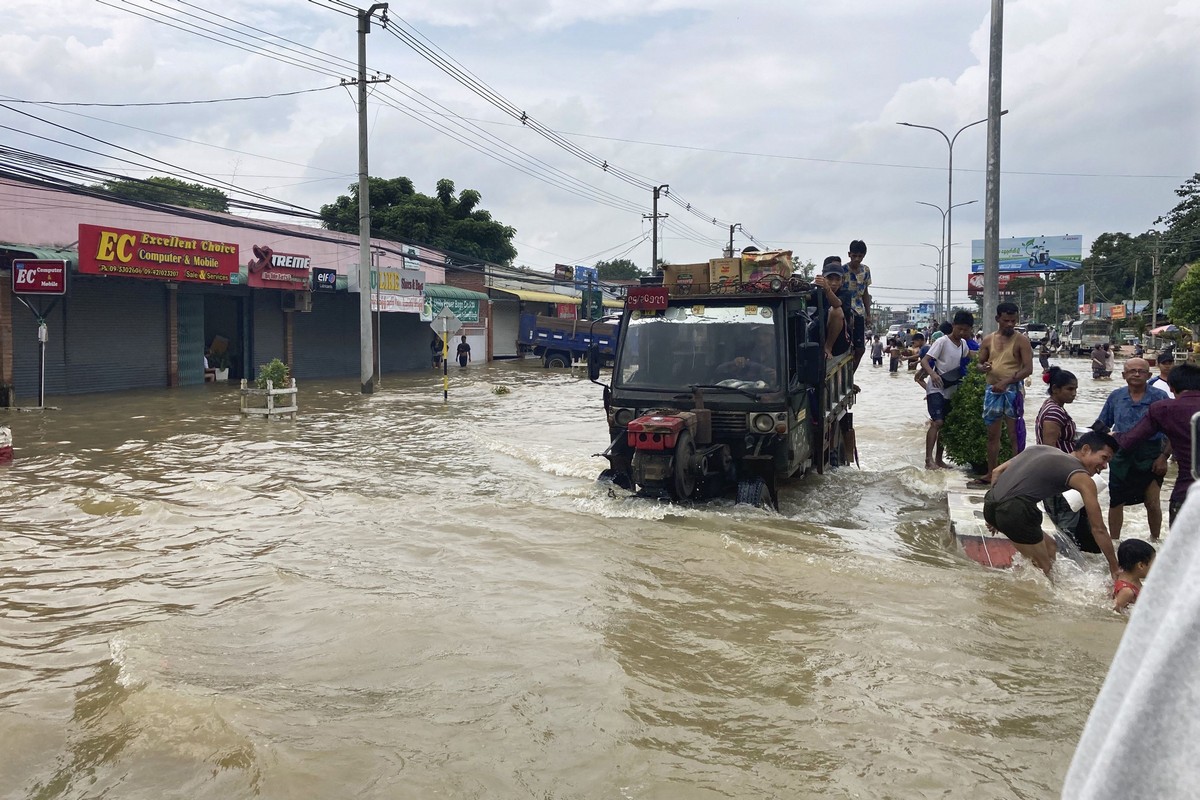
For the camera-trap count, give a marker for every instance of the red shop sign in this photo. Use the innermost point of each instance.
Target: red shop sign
(39, 276)
(158, 256)
(650, 298)
(271, 270)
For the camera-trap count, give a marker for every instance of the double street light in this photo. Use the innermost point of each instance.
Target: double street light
(948, 233)
(944, 253)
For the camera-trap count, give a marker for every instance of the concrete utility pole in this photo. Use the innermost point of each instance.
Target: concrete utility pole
(991, 233)
(1156, 269)
(365, 343)
(654, 217)
(732, 228)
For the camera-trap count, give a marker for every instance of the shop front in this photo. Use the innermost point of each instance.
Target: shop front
(470, 307)
(401, 338)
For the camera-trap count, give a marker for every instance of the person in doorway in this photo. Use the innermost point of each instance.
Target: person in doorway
(943, 364)
(1006, 360)
(464, 352)
(1039, 472)
(435, 351)
(1135, 558)
(210, 372)
(1165, 362)
(877, 351)
(857, 280)
(1174, 419)
(1136, 474)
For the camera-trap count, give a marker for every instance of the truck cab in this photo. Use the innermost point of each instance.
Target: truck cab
(724, 393)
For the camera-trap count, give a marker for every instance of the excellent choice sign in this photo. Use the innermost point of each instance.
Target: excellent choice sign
(141, 254)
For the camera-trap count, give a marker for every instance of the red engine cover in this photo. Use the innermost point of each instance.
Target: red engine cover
(654, 432)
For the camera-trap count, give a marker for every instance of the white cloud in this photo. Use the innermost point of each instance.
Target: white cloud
(1108, 90)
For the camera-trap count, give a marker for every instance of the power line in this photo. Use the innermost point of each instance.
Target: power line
(173, 102)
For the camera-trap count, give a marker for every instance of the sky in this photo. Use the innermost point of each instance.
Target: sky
(780, 117)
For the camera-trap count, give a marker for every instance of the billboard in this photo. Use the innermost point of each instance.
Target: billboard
(39, 276)
(1033, 254)
(975, 282)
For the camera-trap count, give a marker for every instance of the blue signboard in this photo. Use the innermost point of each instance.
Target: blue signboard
(586, 277)
(1033, 254)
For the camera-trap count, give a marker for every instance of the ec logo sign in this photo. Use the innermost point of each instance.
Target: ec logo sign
(113, 245)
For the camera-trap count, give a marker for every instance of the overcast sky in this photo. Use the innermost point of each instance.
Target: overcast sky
(780, 116)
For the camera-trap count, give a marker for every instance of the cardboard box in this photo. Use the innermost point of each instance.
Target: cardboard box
(685, 278)
(756, 266)
(723, 271)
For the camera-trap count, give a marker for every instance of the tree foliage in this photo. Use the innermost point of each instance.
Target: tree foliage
(619, 269)
(161, 189)
(964, 435)
(446, 221)
(1185, 309)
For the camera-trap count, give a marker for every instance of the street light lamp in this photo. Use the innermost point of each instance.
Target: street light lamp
(944, 256)
(949, 185)
(938, 304)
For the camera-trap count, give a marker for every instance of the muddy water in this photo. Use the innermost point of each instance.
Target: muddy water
(396, 598)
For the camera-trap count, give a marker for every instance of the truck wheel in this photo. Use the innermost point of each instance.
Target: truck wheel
(752, 492)
(557, 361)
(683, 481)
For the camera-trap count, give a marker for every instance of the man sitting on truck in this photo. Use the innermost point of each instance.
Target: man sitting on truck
(837, 300)
(744, 368)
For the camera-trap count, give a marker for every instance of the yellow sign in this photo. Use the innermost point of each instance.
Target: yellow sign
(1118, 312)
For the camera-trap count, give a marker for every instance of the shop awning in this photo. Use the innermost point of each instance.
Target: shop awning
(444, 292)
(541, 297)
(10, 251)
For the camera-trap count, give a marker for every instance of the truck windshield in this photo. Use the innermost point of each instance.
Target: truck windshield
(727, 345)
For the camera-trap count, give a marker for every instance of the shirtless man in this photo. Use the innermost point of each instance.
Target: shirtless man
(1006, 359)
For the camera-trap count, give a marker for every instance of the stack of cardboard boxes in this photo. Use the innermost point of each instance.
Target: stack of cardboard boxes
(721, 275)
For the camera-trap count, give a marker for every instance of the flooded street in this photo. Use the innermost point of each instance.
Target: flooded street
(395, 598)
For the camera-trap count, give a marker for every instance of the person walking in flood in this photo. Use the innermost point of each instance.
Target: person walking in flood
(1039, 472)
(1006, 360)
(1136, 474)
(464, 352)
(943, 365)
(435, 351)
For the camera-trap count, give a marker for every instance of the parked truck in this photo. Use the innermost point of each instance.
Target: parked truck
(682, 427)
(1086, 334)
(562, 342)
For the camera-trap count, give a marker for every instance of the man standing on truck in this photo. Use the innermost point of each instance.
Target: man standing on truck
(1006, 360)
(857, 279)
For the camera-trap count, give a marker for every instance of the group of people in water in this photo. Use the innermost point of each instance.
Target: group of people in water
(1143, 426)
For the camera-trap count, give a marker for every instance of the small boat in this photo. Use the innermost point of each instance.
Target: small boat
(993, 550)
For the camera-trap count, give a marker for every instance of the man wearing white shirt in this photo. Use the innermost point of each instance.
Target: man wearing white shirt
(943, 366)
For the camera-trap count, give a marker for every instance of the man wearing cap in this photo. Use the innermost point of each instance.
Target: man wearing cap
(837, 300)
(1165, 361)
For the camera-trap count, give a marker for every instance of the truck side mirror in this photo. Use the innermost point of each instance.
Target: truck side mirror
(594, 360)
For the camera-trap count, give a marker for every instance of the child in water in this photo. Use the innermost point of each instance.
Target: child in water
(1134, 558)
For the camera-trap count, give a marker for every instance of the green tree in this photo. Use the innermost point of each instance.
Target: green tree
(161, 189)
(1181, 241)
(619, 269)
(805, 269)
(446, 221)
(1185, 307)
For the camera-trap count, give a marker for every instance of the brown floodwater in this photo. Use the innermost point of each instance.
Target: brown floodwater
(395, 598)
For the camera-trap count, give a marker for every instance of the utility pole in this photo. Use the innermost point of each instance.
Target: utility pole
(991, 234)
(654, 217)
(732, 228)
(365, 343)
(1155, 270)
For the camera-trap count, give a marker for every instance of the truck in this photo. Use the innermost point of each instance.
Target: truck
(1085, 334)
(562, 342)
(681, 429)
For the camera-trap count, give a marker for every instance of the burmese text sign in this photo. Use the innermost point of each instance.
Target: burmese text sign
(1033, 254)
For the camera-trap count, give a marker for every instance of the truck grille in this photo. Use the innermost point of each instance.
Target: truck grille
(728, 423)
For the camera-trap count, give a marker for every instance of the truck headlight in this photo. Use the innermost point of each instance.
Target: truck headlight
(762, 423)
(623, 416)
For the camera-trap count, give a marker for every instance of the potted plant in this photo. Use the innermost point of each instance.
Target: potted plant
(220, 362)
(274, 371)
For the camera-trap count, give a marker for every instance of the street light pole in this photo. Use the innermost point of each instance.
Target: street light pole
(734, 226)
(943, 258)
(940, 250)
(950, 140)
